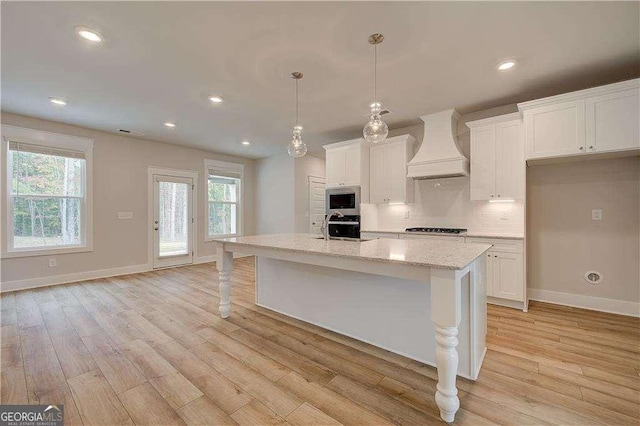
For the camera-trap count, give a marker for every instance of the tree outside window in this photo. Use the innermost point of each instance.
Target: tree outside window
(47, 196)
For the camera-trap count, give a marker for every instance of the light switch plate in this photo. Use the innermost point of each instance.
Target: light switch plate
(406, 214)
(125, 215)
(504, 215)
(596, 214)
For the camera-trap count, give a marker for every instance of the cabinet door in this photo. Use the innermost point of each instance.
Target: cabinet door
(397, 172)
(510, 163)
(613, 121)
(483, 163)
(490, 273)
(555, 130)
(351, 159)
(379, 188)
(335, 168)
(508, 279)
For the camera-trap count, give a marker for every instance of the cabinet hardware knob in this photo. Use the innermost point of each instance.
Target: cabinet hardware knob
(581, 148)
(495, 256)
(591, 147)
(498, 195)
(492, 196)
(155, 228)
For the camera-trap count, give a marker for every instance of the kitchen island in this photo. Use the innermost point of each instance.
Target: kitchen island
(422, 299)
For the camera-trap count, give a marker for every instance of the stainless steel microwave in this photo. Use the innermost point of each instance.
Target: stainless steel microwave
(345, 200)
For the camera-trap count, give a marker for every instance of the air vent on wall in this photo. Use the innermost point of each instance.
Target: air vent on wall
(130, 132)
(593, 277)
(383, 112)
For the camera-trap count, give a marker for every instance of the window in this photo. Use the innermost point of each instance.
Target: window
(224, 195)
(48, 205)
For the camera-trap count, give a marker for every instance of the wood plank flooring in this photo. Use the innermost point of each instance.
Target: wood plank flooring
(151, 349)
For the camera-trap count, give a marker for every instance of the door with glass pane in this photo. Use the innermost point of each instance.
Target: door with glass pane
(172, 221)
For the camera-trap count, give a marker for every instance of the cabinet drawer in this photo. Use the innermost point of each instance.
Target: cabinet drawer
(500, 244)
(377, 235)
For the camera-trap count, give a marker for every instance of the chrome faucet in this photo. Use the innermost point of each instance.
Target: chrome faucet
(325, 224)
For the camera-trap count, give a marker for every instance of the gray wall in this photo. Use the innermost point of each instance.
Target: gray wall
(120, 184)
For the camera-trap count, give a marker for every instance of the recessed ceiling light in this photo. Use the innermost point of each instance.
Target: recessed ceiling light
(89, 34)
(507, 65)
(245, 143)
(58, 101)
(216, 99)
(170, 124)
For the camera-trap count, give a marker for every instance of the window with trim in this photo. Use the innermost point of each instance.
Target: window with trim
(47, 205)
(224, 195)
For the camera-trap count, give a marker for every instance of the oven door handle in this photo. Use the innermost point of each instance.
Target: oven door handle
(343, 223)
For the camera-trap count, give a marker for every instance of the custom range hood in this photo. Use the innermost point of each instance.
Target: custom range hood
(439, 155)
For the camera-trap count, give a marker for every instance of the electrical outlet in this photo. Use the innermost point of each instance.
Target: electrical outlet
(406, 214)
(53, 262)
(504, 215)
(596, 214)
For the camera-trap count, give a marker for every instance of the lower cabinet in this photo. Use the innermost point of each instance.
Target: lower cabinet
(505, 275)
(505, 265)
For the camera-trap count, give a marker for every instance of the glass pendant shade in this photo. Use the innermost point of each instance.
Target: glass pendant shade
(376, 130)
(297, 148)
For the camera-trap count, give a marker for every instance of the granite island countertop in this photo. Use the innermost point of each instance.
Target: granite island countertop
(434, 254)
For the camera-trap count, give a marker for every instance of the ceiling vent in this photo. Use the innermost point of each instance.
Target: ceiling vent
(130, 132)
(383, 112)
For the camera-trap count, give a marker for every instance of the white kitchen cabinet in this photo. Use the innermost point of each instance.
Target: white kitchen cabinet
(507, 275)
(347, 164)
(497, 158)
(388, 170)
(598, 120)
(612, 121)
(505, 270)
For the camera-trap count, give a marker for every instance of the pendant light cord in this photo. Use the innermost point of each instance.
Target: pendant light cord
(296, 103)
(375, 73)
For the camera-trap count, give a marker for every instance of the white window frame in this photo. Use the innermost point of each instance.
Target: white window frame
(210, 167)
(50, 140)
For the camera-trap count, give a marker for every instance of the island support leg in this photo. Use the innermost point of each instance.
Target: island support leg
(225, 266)
(446, 307)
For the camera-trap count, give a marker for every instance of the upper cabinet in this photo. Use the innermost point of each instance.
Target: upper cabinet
(347, 164)
(497, 158)
(599, 120)
(388, 170)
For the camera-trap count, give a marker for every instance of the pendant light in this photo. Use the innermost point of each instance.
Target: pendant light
(376, 130)
(296, 147)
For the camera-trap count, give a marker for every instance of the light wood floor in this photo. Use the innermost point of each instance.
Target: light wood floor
(151, 349)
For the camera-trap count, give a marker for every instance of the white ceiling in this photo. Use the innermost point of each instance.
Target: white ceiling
(160, 60)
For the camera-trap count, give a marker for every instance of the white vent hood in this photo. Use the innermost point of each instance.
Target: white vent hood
(439, 155)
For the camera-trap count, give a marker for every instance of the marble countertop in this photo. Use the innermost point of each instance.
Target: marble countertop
(473, 234)
(435, 254)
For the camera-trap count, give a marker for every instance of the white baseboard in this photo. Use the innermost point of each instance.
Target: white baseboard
(613, 306)
(70, 278)
(88, 275)
(506, 303)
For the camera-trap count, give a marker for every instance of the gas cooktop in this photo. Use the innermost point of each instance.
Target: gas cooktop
(438, 230)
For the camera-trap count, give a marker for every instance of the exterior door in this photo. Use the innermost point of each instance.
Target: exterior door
(317, 208)
(172, 221)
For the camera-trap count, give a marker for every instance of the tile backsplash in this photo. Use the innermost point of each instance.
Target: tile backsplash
(445, 203)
